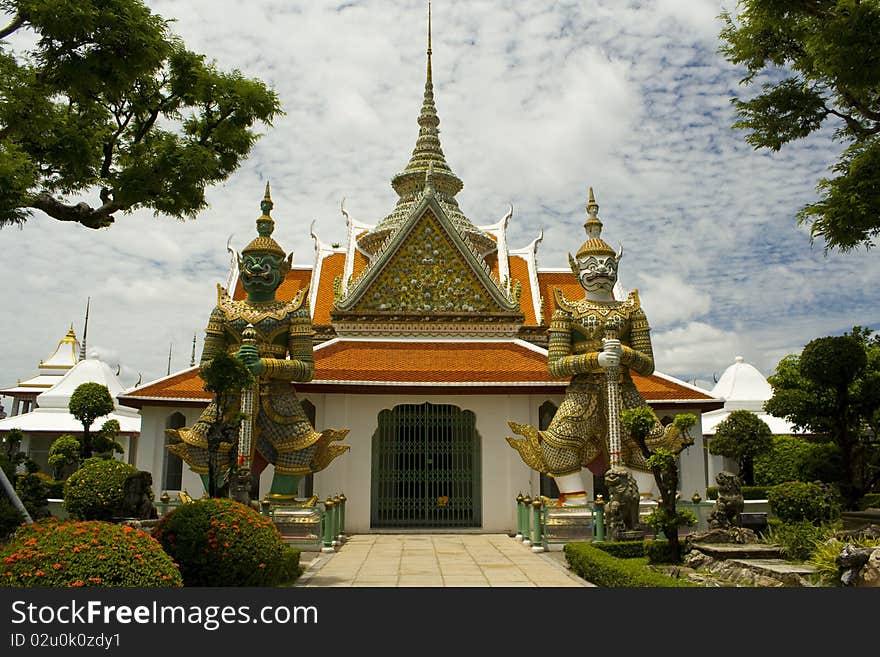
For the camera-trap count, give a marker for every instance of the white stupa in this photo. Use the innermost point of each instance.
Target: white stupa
(743, 388)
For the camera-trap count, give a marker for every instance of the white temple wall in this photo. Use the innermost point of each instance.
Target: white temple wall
(503, 474)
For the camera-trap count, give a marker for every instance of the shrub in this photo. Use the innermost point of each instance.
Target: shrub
(64, 453)
(797, 540)
(220, 542)
(870, 501)
(603, 569)
(793, 501)
(824, 557)
(623, 549)
(10, 518)
(34, 494)
(96, 490)
(792, 458)
(54, 488)
(748, 492)
(91, 553)
(660, 551)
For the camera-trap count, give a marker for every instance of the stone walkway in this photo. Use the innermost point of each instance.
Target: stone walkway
(432, 560)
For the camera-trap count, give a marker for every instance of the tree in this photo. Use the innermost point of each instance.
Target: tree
(827, 53)
(65, 450)
(105, 442)
(639, 421)
(742, 435)
(225, 376)
(831, 388)
(110, 102)
(87, 403)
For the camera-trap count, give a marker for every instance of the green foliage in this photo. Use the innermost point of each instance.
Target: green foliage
(623, 549)
(225, 376)
(798, 539)
(54, 487)
(660, 519)
(831, 388)
(105, 441)
(662, 551)
(742, 435)
(827, 52)
(794, 501)
(220, 542)
(639, 420)
(748, 492)
(33, 493)
(824, 555)
(603, 569)
(96, 490)
(109, 99)
(87, 403)
(791, 458)
(870, 501)
(54, 553)
(65, 451)
(10, 517)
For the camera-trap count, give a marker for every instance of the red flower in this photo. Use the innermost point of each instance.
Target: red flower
(57, 566)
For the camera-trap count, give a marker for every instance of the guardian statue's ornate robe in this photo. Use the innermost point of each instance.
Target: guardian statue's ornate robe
(282, 433)
(578, 434)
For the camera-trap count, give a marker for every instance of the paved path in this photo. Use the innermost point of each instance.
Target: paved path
(431, 560)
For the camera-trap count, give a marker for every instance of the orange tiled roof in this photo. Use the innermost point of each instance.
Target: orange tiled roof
(564, 280)
(519, 271)
(332, 266)
(183, 385)
(436, 362)
(432, 363)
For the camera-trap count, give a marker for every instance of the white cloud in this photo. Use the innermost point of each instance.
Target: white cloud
(537, 102)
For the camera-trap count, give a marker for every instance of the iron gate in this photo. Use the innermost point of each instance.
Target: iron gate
(426, 468)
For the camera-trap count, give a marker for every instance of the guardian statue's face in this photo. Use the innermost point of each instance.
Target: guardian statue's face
(260, 273)
(597, 273)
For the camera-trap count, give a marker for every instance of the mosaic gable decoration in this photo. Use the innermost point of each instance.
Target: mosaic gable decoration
(427, 273)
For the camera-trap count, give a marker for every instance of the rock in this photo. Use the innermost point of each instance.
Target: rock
(870, 573)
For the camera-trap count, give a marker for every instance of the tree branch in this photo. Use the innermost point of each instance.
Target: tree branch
(81, 213)
(16, 23)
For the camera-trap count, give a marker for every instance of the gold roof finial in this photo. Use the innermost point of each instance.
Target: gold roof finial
(429, 39)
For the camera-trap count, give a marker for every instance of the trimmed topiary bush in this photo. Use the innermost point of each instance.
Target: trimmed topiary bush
(794, 501)
(90, 553)
(220, 542)
(96, 490)
(748, 492)
(660, 551)
(10, 518)
(602, 569)
(793, 458)
(623, 549)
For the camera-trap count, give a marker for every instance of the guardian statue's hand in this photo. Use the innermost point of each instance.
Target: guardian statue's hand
(610, 357)
(249, 355)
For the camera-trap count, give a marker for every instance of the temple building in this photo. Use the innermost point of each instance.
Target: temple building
(743, 388)
(50, 418)
(431, 333)
(50, 370)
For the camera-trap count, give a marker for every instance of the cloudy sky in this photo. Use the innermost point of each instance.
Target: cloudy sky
(537, 101)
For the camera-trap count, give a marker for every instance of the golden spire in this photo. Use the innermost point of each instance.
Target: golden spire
(264, 243)
(594, 245)
(429, 41)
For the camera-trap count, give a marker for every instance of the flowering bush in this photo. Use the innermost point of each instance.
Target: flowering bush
(91, 553)
(96, 490)
(220, 542)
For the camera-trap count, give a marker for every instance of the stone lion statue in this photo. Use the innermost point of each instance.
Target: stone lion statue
(137, 491)
(622, 511)
(729, 505)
